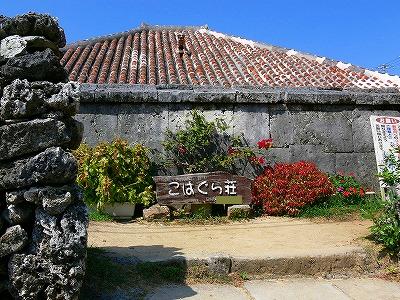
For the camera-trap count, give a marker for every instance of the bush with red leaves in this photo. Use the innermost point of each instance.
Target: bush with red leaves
(286, 188)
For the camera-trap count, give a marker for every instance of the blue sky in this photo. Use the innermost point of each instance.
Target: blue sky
(364, 33)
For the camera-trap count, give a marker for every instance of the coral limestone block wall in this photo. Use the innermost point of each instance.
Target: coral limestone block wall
(330, 128)
(43, 220)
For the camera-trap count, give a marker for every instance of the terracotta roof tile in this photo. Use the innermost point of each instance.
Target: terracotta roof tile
(198, 56)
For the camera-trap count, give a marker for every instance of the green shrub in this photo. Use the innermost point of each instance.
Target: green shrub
(205, 146)
(386, 228)
(287, 188)
(347, 188)
(115, 173)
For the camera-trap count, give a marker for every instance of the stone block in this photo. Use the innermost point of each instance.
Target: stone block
(22, 99)
(16, 45)
(19, 213)
(56, 265)
(142, 123)
(100, 123)
(252, 122)
(156, 212)
(278, 155)
(282, 125)
(175, 96)
(34, 136)
(239, 211)
(123, 93)
(212, 94)
(33, 24)
(52, 166)
(314, 153)
(36, 66)
(264, 95)
(331, 130)
(13, 240)
(363, 165)
(219, 264)
(317, 96)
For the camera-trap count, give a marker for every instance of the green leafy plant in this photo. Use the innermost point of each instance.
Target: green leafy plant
(205, 146)
(244, 276)
(347, 188)
(386, 228)
(115, 173)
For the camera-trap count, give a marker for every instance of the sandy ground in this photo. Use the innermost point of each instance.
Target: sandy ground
(265, 237)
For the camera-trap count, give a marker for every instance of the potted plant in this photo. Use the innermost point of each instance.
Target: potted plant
(115, 177)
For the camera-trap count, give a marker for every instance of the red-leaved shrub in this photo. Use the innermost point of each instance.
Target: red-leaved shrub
(286, 188)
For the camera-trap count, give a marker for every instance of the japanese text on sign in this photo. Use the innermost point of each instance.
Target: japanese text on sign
(204, 188)
(385, 132)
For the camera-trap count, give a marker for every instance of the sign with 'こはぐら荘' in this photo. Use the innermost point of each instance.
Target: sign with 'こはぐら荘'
(214, 187)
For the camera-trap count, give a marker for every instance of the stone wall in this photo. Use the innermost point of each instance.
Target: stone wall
(328, 127)
(43, 221)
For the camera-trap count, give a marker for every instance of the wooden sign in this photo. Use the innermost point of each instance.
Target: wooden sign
(215, 187)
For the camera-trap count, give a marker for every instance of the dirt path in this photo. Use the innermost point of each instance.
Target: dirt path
(265, 237)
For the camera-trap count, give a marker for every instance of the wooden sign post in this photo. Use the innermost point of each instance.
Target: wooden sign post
(215, 187)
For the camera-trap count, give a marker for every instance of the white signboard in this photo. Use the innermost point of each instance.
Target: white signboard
(386, 134)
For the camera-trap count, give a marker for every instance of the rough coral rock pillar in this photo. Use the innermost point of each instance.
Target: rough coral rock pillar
(43, 220)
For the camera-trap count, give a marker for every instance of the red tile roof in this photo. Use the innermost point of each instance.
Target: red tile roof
(198, 56)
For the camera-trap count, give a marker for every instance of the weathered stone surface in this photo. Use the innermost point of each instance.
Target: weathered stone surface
(140, 121)
(363, 165)
(16, 45)
(33, 24)
(314, 153)
(219, 264)
(37, 135)
(56, 267)
(63, 239)
(331, 130)
(156, 212)
(3, 268)
(101, 121)
(14, 239)
(52, 166)
(54, 200)
(19, 213)
(37, 66)
(15, 197)
(281, 128)
(28, 276)
(22, 99)
(239, 211)
(251, 122)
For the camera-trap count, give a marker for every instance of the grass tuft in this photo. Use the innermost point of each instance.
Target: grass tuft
(95, 215)
(338, 208)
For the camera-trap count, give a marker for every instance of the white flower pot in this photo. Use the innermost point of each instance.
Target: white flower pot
(120, 210)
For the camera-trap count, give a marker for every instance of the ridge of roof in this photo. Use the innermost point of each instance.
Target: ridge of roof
(142, 26)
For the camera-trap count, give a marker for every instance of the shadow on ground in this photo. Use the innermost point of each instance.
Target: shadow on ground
(116, 273)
